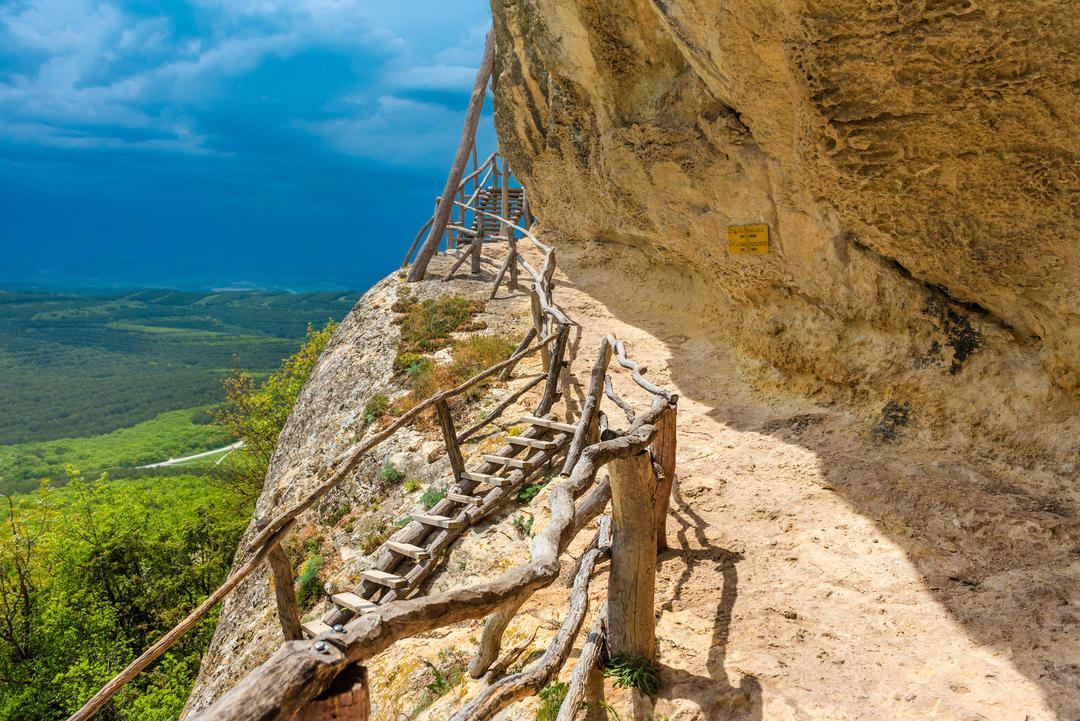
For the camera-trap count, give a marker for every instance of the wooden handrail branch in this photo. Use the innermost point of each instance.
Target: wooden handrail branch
(301, 670)
(349, 461)
(468, 139)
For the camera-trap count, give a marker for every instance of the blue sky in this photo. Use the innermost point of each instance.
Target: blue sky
(206, 143)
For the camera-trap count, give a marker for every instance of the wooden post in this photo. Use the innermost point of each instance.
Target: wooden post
(551, 390)
(663, 450)
(504, 229)
(477, 244)
(347, 699)
(453, 452)
(587, 425)
(538, 324)
(285, 593)
(457, 170)
(461, 221)
(631, 625)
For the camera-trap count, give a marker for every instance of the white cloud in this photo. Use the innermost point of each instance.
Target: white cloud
(89, 69)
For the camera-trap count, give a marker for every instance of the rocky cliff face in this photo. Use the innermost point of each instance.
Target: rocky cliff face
(916, 162)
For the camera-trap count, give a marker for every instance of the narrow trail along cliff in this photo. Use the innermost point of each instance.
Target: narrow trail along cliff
(820, 571)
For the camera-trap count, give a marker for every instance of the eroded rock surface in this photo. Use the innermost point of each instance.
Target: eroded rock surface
(916, 163)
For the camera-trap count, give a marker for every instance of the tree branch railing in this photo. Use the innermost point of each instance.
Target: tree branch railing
(302, 670)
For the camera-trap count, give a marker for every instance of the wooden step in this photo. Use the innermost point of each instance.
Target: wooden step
(533, 442)
(353, 602)
(485, 478)
(408, 549)
(383, 578)
(314, 628)
(467, 500)
(545, 423)
(504, 461)
(437, 521)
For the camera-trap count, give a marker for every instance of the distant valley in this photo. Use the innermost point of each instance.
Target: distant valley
(111, 382)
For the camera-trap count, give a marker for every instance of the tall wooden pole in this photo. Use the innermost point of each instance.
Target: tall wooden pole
(288, 613)
(457, 170)
(631, 624)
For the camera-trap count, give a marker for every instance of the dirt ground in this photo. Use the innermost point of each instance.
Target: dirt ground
(819, 569)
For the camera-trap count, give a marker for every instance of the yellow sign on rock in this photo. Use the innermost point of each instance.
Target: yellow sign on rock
(748, 238)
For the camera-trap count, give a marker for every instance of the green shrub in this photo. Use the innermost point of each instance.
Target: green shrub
(338, 515)
(634, 672)
(310, 587)
(413, 484)
(432, 496)
(449, 672)
(426, 325)
(376, 407)
(389, 475)
(312, 545)
(524, 527)
(551, 699)
(402, 522)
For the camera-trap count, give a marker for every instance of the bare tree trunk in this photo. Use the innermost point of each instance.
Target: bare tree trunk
(631, 625)
(457, 170)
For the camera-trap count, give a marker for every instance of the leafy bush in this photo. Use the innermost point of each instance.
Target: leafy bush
(530, 491)
(93, 573)
(413, 484)
(389, 475)
(376, 407)
(310, 587)
(432, 496)
(256, 413)
(551, 699)
(634, 672)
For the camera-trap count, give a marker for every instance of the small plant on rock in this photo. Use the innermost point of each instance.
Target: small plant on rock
(636, 672)
(389, 475)
(524, 526)
(551, 699)
(376, 407)
(432, 496)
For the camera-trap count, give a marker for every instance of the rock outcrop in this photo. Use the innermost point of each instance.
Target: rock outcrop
(916, 162)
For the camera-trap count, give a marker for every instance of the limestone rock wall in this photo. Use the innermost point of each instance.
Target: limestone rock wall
(917, 163)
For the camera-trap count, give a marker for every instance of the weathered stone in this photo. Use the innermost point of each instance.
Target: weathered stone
(916, 164)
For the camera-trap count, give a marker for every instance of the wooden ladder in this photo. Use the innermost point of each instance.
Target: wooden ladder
(405, 560)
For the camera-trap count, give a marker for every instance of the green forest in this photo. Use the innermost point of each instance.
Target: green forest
(73, 366)
(98, 558)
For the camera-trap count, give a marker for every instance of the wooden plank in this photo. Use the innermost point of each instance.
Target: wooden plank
(453, 451)
(467, 500)
(383, 578)
(531, 442)
(437, 521)
(407, 549)
(485, 478)
(503, 461)
(314, 628)
(545, 423)
(285, 594)
(353, 602)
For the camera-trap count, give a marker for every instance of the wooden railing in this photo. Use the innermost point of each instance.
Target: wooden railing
(496, 194)
(320, 675)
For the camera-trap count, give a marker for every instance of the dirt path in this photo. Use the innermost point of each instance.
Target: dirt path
(816, 572)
